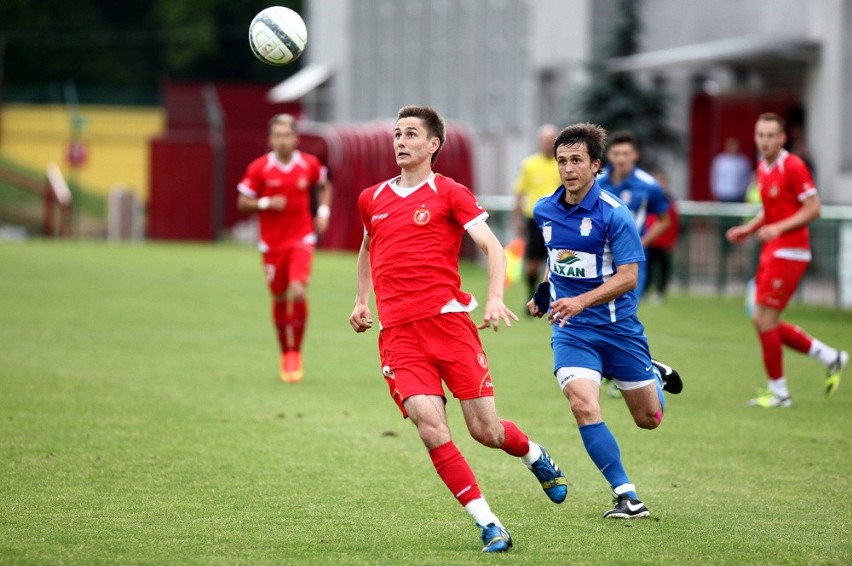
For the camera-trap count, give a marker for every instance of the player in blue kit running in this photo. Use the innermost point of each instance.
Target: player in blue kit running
(642, 194)
(639, 190)
(594, 252)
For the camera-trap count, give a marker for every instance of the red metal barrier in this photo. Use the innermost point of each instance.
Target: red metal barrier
(184, 168)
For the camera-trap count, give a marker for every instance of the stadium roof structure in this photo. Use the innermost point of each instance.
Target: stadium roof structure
(737, 51)
(304, 81)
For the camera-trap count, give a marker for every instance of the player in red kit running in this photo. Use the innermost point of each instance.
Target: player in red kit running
(278, 187)
(414, 225)
(790, 203)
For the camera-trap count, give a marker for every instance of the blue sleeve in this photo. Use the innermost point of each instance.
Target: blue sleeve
(657, 202)
(624, 239)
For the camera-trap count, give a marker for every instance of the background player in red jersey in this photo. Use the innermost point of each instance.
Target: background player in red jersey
(278, 187)
(790, 203)
(413, 230)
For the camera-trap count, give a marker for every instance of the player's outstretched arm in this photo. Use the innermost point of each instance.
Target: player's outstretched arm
(361, 318)
(495, 310)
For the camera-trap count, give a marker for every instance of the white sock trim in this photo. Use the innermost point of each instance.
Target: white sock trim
(822, 352)
(481, 512)
(779, 387)
(533, 455)
(624, 488)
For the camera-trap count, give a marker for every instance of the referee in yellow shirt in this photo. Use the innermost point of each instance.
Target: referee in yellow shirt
(538, 177)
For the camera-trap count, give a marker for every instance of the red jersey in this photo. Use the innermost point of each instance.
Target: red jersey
(668, 239)
(266, 176)
(783, 187)
(415, 237)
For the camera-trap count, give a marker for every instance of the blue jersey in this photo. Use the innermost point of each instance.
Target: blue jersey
(640, 192)
(585, 246)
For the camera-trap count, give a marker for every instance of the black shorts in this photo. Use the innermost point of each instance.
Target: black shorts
(535, 248)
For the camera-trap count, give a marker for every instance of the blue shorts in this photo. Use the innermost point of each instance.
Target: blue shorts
(618, 350)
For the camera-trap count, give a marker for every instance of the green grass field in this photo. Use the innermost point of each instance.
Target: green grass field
(142, 422)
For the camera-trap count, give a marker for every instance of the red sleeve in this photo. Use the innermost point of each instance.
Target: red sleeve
(316, 169)
(800, 178)
(252, 181)
(364, 209)
(463, 205)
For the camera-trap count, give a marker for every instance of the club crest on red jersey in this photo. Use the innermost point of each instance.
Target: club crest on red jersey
(421, 216)
(303, 183)
(483, 361)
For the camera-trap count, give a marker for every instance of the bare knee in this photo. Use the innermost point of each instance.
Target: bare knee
(433, 434)
(487, 434)
(649, 418)
(648, 422)
(296, 291)
(585, 411)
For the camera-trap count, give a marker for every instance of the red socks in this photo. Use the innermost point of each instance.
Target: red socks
(517, 443)
(455, 472)
(281, 321)
(771, 342)
(290, 319)
(298, 321)
(795, 337)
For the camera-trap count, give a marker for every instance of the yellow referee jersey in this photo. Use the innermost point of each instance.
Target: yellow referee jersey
(538, 177)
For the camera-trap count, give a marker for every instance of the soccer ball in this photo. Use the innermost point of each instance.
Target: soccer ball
(277, 35)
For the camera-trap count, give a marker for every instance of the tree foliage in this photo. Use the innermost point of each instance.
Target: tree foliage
(132, 45)
(617, 100)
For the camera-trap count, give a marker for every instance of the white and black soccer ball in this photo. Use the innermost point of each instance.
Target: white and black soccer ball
(277, 35)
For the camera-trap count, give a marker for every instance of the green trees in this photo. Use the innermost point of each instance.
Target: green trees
(113, 50)
(616, 100)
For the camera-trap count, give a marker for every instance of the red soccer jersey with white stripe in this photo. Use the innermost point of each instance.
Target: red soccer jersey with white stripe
(266, 176)
(783, 187)
(415, 238)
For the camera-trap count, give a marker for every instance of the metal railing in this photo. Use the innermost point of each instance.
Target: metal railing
(54, 191)
(706, 263)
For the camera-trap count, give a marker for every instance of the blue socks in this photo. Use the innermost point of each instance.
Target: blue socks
(604, 452)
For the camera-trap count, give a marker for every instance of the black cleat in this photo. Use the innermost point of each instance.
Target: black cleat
(627, 508)
(671, 378)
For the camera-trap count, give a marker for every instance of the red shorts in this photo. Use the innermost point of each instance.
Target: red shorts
(417, 356)
(281, 266)
(777, 279)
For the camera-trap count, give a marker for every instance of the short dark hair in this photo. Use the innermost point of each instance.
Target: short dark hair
(623, 136)
(433, 122)
(772, 117)
(592, 135)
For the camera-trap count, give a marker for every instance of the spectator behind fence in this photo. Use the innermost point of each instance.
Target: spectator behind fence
(730, 173)
(790, 203)
(659, 256)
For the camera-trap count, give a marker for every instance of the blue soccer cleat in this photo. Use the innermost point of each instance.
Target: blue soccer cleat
(552, 479)
(495, 539)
